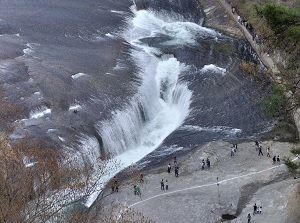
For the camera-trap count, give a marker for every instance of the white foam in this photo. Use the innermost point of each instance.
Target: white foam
(118, 12)
(61, 139)
(214, 69)
(109, 35)
(78, 75)
(181, 32)
(30, 48)
(224, 129)
(27, 51)
(39, 112)
(75, 107)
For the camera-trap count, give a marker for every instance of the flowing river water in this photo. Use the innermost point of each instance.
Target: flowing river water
(142, 80)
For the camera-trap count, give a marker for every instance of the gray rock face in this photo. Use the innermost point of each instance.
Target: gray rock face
(227, 191)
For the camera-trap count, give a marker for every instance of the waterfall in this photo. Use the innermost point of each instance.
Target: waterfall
(162, 101)
(158, 108)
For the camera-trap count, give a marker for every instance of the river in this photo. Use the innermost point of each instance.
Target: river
(143, 80)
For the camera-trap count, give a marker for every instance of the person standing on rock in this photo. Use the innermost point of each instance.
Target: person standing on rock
(274, 159)
(116, 186)
(202, 165)
(268, 152)
(208, 163)
(142, 178)
(176, 171)
(278, 159)
(167, 186)
(138, 190)
(260, 151)
(232, 151)
(249, 217)
(235, 147)
(162, 184)
(169, 168)
(254, 209)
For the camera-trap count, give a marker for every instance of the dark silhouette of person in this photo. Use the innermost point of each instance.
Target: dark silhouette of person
(278, 159)
(208, 163)
(142, 178)
(116, 186)
(274, 159)
(257, 145)
(162, 184)
(260, 151)
(254, 209)
(249, 217)
(175, 161)
(176, 171)
(268, 152)
(169, 168)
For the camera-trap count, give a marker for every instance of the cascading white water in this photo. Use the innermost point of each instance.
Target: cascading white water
(162, 101)
(160, 106)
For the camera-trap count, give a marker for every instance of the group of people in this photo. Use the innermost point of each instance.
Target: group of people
(137, 187)
(256, 210)
(276, 159)
(163, 184)
(207, 164)
(245, 23)
(259, 149)
(176, 168)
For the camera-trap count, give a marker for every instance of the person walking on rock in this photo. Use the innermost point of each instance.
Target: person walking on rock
(249, 217)
(162, 184)
(260, 151)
